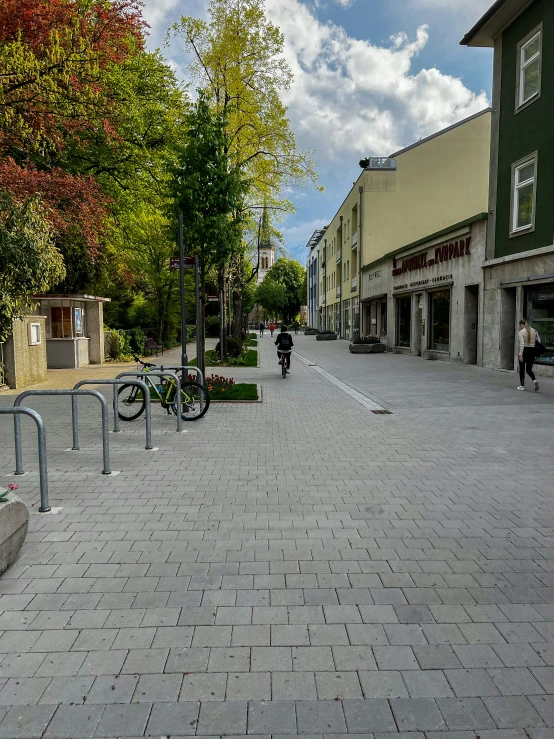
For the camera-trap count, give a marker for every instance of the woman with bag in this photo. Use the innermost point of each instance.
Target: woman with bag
(529, 348)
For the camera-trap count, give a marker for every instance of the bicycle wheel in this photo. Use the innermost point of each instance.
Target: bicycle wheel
(284, 365)
(131, 402)
(195, 401)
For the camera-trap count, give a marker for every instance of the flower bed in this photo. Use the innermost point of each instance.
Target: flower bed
(225, 389)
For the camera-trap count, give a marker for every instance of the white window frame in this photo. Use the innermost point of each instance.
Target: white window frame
(516, 230)
(35, 334)
(521, 67)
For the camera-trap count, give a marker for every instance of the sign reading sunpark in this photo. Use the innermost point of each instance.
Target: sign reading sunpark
(188, 263)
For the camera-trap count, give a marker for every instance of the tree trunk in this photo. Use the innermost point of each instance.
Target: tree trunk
(201, 328)
(237, 324)
(222, 316)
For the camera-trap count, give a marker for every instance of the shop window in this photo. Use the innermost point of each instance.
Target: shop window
(529, 68)
(356, 318)
(524, 179)
(540, 313)
(383, 319)
(440, 320)
(403, 321)
(346, 318)
(60, 322)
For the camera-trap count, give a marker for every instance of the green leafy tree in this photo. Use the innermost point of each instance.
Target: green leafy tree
(272, 297)
(208, 192)
(29, 261)
(292, 276)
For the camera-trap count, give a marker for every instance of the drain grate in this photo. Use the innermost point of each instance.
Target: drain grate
(382, 413)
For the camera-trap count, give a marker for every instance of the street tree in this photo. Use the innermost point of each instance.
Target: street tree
(239, 62)
(208, 192)
(30, 263)
(272, 297)
(291, 275)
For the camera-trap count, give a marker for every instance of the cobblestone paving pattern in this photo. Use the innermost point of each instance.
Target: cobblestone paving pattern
(301, 566)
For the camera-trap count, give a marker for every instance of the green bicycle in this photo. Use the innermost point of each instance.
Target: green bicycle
(195, 400)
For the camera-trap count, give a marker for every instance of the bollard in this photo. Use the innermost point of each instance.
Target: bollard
(159, 373)
(73, 393)
(115, 382)
(43, 470)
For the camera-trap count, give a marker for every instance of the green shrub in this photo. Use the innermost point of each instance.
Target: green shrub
(137, 338)
(234, 347)
(118, 345)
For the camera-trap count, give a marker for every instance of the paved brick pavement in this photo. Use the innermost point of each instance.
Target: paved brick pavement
(301, 566)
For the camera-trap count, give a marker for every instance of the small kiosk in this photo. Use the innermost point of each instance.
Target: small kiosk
(74, 329)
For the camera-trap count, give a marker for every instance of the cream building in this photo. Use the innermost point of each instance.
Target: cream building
(432, 192)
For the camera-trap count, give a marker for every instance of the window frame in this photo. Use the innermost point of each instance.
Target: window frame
(530, 159)
(522, 104)
(35, 334)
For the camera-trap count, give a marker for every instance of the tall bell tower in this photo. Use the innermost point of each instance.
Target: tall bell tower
(266, 253)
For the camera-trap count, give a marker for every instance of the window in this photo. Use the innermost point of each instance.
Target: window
(529, 68)
(34, 334)
(524, 178)
(403, 321)
(440, 320)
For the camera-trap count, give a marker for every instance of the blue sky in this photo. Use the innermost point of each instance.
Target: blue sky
(371, 76)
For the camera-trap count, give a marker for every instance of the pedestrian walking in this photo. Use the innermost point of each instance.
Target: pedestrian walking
(296, 327)
(262, 327)
(272, 328)
(528, 337)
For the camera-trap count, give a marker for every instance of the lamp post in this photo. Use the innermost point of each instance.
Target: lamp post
(184, 358)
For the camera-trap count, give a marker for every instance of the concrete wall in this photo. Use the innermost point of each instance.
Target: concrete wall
(25, 364)
(95, 331)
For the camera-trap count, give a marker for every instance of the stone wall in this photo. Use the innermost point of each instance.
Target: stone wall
(25, 364)
(95, 330)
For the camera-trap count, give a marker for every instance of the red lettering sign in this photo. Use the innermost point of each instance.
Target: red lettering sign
(443, 253)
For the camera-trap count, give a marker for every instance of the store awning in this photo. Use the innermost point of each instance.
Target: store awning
(375, 297)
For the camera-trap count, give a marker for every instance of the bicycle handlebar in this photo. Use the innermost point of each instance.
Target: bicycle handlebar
(144, 364)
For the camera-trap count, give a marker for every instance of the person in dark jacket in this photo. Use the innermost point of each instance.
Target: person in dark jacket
(284, 345)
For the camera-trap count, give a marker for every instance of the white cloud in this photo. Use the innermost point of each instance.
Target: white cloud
(350, 96)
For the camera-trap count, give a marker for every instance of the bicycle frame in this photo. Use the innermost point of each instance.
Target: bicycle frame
(167, 388)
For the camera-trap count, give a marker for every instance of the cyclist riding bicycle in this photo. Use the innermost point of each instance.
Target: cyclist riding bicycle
(284, 345)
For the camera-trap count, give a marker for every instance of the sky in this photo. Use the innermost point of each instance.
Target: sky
(370, 77)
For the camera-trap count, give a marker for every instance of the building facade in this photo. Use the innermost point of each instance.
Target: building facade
(312, 275)
(379, 275)
(519, 266)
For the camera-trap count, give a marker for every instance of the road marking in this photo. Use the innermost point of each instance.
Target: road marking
(354, 394)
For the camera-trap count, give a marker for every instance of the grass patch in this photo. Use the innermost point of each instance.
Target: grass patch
(241, 391)
(252, 342)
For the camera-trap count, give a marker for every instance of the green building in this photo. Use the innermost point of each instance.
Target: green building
(519, 266)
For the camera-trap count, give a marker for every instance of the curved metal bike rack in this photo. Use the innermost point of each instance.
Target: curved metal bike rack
(138, 383)
(105, 437)
(159, 373)
(43, 471)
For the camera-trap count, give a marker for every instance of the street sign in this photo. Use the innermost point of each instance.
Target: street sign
(188, 262)
(212, 298)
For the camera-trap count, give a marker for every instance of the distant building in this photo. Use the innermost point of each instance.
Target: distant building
(312, 270)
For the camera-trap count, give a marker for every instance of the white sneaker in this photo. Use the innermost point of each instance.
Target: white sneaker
(521, 387)
(535, 385)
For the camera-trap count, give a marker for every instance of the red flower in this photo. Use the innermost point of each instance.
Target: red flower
(12, 486)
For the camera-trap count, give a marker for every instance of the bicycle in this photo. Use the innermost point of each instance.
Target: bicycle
(285, 363)
(195, 400)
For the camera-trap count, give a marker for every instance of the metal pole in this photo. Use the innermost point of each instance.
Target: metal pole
(221, 326)
(18, 449)
(198, 342)
(43, 470)
(184, 358)
(75, 423)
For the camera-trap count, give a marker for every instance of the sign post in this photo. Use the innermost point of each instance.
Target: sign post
(221, 326)
(184, 358)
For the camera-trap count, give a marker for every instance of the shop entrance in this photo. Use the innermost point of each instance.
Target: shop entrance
(507, 327)
(471, 318)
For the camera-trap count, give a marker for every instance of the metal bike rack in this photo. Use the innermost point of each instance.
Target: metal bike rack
(159, 373)
(105, 437)
(184, 368)
(138, 383)
(43, 471)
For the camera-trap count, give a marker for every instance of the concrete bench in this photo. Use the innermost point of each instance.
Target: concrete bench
(367, 348)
